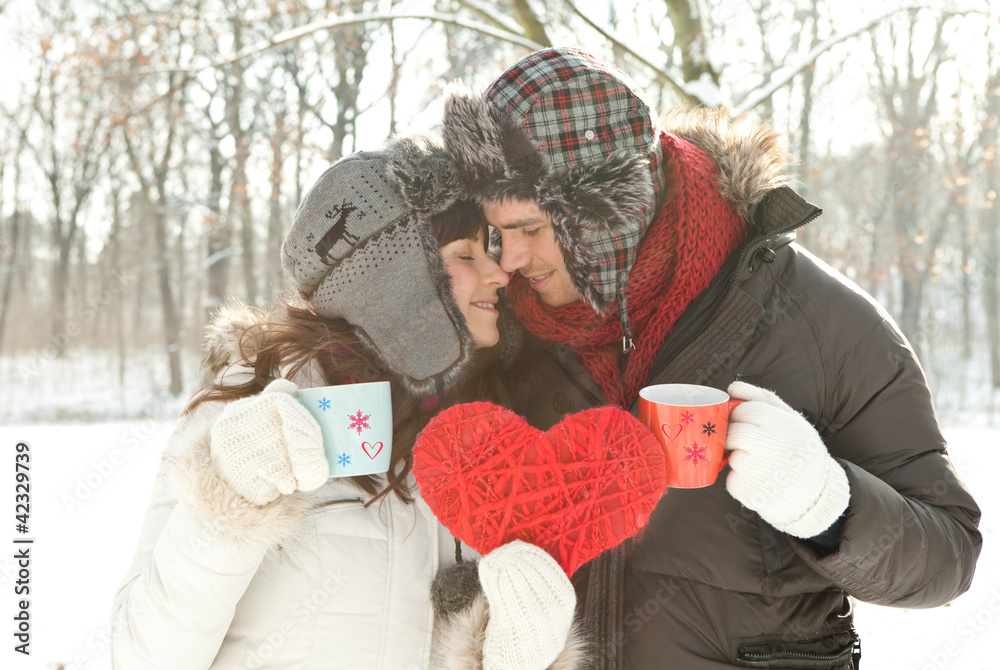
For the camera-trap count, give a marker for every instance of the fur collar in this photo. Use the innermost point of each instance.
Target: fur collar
(223, 333)
(752, 161)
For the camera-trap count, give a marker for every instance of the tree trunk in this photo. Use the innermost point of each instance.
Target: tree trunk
(991, 290)
(220, 235)
(9, 264)
(688, 36)
(533, 28)
(351, 52)
(118, 272)
(805, 125)
(910, 299)
(274, 223)
(60, 292)
(171, 322)
(966, 291)
(239, 202)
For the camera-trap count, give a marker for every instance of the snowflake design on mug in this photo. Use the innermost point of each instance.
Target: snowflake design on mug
(358, 421)
(695, 454)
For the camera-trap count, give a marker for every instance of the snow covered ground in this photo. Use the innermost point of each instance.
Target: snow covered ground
(90, 484)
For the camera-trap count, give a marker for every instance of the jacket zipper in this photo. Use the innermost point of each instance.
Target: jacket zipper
(760, 657)
(340, 501)
(729, 291)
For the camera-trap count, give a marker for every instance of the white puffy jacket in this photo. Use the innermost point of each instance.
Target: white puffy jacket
(312, 580)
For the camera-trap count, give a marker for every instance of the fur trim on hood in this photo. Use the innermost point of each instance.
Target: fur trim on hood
(461, 614)
(223, 334)
(751, 157)
(221, 512)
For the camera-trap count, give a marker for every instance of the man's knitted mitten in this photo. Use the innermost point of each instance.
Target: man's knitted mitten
(269, 445)
(780, 467)
(531, 604)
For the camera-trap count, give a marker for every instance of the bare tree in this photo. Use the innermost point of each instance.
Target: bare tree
(990, 223)
(908, 95)
(11, 227)
(150, 139)
(68, 138)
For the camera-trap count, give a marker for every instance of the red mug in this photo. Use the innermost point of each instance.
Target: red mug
(690, 422)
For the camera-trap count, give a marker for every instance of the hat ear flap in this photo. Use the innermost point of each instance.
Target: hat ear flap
(472, 137)
(489, 148)
(608, 196)
(577, 255)
(424, 173)
(595, 203)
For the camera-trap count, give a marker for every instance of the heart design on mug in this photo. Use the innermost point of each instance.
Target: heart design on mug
(667, 429)
(366, 445)
(584, 486)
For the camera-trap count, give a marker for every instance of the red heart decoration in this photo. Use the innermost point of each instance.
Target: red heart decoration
(365, 445)
(584, 486)
(666, 431)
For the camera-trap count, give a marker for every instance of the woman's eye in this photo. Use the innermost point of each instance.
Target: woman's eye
(466, 258)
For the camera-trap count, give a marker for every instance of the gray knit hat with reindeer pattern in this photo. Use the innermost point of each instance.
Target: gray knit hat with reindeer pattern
(361, 248)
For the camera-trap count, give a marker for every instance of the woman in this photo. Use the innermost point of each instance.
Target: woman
(250, 557)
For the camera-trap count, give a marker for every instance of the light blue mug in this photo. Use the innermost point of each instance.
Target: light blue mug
(357, 426)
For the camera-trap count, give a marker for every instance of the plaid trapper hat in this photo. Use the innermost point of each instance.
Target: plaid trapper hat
(575, 135)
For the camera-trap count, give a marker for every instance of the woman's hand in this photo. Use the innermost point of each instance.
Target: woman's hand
(269, 445)
(531, 605)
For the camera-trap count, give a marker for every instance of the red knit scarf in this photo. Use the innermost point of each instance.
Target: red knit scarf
(685, 246)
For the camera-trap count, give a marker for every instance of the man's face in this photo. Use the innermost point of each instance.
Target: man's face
(530, 247)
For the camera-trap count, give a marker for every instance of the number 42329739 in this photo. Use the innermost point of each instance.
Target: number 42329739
(22, 488)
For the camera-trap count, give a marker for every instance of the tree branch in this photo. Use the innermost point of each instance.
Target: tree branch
(348, 20)
(485, 14)
(782, 77)
(526, 17)
(618, 44)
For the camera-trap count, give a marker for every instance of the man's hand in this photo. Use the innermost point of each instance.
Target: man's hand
(780, 467)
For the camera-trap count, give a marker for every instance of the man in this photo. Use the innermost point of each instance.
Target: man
(643, 255)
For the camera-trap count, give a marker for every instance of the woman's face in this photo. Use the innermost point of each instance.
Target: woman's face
(475, 279)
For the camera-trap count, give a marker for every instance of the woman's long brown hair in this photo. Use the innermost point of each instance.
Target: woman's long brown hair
(292, 336)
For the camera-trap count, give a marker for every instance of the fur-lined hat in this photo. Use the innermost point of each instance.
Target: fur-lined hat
(361, 247)
(578, 137)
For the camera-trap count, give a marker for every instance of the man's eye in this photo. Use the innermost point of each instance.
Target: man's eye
(466, 258)
(530, 232)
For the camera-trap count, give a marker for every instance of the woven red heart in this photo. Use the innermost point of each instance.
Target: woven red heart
(583, 487)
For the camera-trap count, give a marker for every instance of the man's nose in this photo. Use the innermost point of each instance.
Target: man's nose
(497, 276)
(513, 254)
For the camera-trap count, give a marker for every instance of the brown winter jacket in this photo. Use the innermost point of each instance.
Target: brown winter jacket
(710, 585)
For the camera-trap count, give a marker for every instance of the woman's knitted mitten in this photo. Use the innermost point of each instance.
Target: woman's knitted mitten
(269, 445)
(531, 603)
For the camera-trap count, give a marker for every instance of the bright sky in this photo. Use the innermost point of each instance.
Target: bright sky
(9, 81)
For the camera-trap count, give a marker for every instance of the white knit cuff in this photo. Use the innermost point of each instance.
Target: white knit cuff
(830, 504)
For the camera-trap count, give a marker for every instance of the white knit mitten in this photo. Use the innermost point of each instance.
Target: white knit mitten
(268, 445)
(531, 604)
(780, 467)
